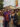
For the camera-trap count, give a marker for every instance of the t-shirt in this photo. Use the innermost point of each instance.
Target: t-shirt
(18, 18)
(6, 16)
(15, 19)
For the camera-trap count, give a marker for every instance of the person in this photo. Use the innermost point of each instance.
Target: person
(12, 14)
(1, 19)
(18, 23)
(6, 18)
(0, 12)
(15, 19)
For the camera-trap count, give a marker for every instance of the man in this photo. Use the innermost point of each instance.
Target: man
(15, 19)
(6, 18)
(18, 23)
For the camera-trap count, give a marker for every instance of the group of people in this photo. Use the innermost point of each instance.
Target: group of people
(8, 15)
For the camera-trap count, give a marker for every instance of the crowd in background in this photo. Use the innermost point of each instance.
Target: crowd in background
(13, 14)
(1, 11)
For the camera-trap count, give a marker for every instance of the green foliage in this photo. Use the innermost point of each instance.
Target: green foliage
(1, 4)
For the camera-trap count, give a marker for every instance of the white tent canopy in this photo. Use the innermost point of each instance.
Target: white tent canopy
(8, 2)
(11, 2)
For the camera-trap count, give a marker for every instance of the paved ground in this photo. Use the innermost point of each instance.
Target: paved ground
(10, 25)
(1, 25)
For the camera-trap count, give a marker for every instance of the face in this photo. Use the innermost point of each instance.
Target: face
(6, 9)
(0, 11)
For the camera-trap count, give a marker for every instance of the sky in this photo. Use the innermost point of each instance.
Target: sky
(9, 2)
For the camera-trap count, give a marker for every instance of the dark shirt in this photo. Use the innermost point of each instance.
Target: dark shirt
(15, 17)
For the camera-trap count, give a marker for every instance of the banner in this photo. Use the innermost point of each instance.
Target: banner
(16, 3)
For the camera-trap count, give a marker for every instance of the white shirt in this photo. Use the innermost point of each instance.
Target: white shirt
(1, 19)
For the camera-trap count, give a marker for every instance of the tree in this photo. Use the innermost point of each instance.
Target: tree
(1, 4)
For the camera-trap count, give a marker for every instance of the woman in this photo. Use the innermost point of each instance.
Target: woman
(1, 19)
(12, 14)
